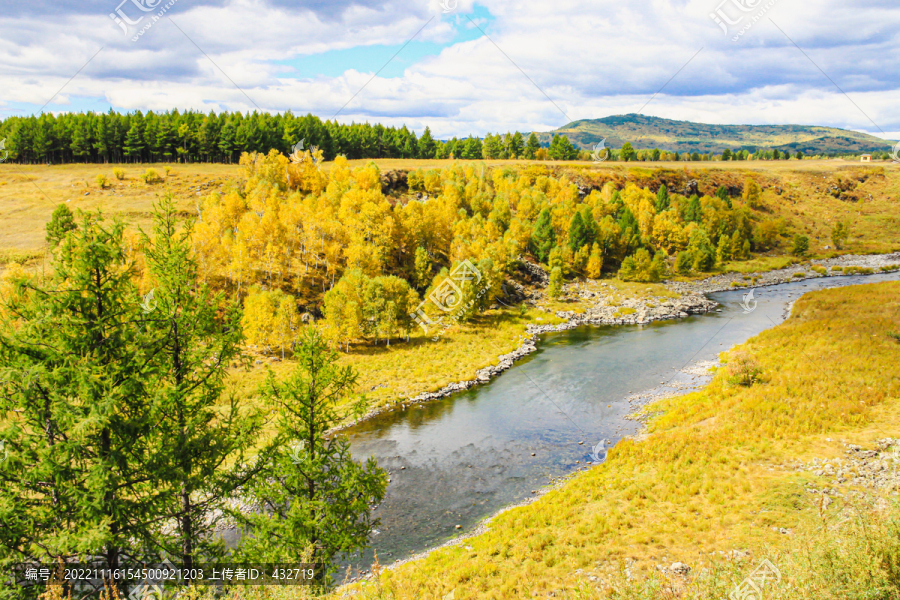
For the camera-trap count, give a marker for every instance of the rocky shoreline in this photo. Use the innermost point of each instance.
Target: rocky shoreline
(632, 311)
(832, 266)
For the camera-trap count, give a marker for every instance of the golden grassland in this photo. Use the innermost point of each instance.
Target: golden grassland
(29, 193)
(406, 369)
(710, 474)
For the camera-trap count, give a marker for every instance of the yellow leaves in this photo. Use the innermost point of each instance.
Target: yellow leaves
(270, 319)
(368, 178)
(368, 221)
(642, 204)
(668, 233)
(304, 172)
(265, 169)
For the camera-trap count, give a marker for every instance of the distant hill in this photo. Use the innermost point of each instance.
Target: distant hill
(646, 132)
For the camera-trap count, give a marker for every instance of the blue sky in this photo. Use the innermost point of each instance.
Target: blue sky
(461, 67)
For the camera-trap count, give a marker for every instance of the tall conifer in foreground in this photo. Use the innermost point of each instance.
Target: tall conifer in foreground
(315, 498)
(199, 443)
(75, 415)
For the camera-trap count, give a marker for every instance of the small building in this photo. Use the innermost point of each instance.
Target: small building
(865, 158)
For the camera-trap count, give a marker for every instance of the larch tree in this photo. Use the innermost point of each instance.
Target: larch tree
(317, 499)
(193, 344)
(76, 410)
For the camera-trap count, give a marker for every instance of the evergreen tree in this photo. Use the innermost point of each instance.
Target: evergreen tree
(61, 222)
(662, 198)
(193, 346)
(426, 145)
(472, 149)
(590, 225)
(134, 141)
(543, 237)
(532, 146)
(516, 145)
(491, 146)
(316, 498)
(578, 235)
(693, 213)
(722, 194)
(76, 411)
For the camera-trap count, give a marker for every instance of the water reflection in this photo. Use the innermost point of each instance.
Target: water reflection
(455, 461)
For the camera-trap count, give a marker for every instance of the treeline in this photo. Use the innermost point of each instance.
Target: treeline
(121, 443)
(190, 137)
(344, 251)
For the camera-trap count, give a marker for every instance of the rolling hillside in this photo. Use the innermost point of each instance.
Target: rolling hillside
(685, 136)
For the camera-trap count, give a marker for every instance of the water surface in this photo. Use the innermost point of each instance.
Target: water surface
(458, 460)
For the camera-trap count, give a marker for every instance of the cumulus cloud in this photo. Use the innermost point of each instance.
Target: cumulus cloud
(590, 59)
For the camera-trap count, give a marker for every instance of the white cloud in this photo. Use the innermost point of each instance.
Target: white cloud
(591, 59)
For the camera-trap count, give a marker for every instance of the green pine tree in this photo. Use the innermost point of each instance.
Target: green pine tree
(426, 145)
(543, 237)
(61, 222)
(662, 198)
(192, 348)
(532, 146)
(317, 499)
(577, 234)
(76, 411)
(694, 212)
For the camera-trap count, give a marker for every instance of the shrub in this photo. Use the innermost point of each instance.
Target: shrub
(554, 290)
(684, 262)
(119, 174)
(102, 181)
(799, 245)
(799, 274)
(743, 369)
(819, 270)
(151, 176)
(641, 267)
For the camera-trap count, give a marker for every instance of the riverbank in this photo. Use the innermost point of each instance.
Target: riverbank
(605, 303)
(715, 474)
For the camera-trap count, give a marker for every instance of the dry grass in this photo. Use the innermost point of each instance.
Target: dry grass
(29, 193)
(710, 474)
(406, 369)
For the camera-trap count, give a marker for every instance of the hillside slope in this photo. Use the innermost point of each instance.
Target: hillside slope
(685, 136)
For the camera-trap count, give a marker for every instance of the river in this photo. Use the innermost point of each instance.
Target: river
(455, 461)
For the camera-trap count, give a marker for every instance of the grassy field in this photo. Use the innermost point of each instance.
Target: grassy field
(406, 369)
(711, 474)
(28, 193)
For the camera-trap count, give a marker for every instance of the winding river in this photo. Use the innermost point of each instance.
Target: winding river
(455, 461)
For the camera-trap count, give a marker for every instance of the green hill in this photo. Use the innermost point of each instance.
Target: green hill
(646, 132)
